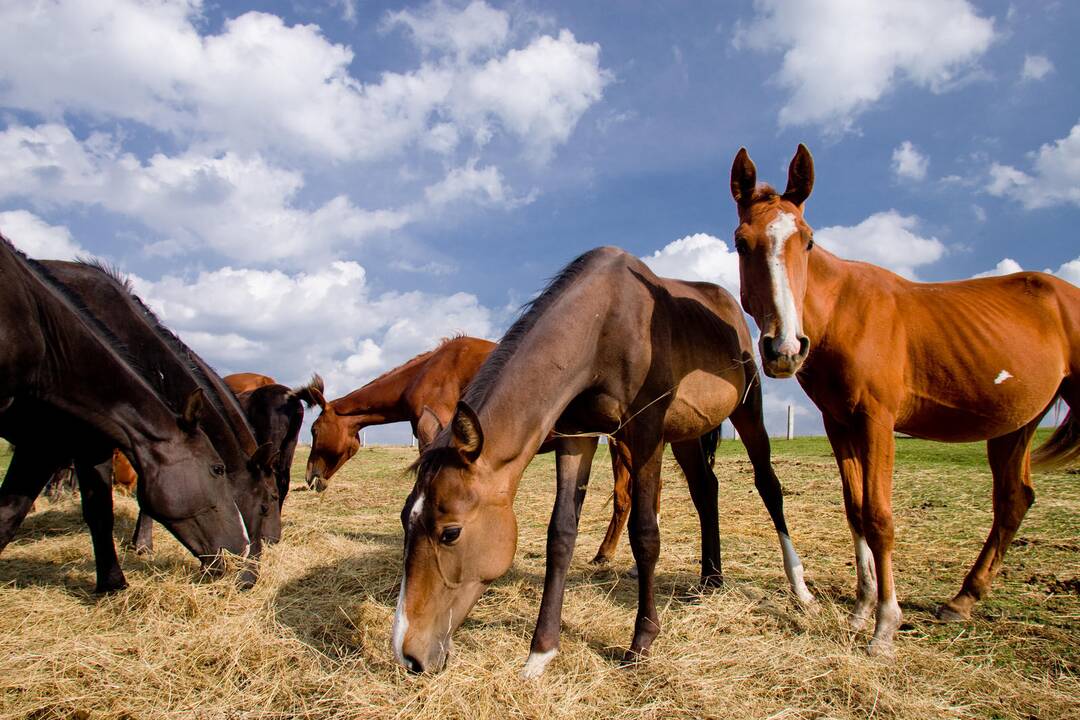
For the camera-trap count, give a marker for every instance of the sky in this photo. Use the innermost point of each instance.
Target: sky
(332, 187)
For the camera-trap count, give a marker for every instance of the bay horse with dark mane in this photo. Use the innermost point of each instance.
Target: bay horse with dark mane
(424, 392)
(954, 361)
(607, 348)
(69, 391)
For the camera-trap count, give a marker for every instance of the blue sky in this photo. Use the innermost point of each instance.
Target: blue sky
(334, 186)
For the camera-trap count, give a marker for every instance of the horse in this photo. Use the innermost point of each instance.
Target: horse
(608, 348)
(960, 361)
(424, 391)
(244, 382)
(276, 413)
(124, 476)
(69, 391)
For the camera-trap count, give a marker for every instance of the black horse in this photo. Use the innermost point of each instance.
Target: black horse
(70, 391)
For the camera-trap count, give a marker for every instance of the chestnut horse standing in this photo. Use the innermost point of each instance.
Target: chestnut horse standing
(607, 348)
(425, 391)
(957, 361)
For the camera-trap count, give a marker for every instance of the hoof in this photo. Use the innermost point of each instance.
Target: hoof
(632, 572)
(857, 621)
(947, 613)
(111, 587)
(712, 582)
(537, 663)
(600, 560)
(880, 648)
(144, 550)
(634, 657)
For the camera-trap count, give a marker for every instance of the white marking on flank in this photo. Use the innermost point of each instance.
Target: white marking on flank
(537, 663)
(1002, 377)
(401, 625)
(793, 568)
(787, 333)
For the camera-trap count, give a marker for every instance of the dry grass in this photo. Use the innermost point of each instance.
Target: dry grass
(311, 640)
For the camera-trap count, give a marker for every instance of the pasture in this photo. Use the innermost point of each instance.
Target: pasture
(312, 639)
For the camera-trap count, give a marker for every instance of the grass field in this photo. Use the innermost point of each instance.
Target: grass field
(312, 639)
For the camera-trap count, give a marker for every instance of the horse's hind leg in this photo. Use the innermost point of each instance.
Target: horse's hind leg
(646, 460)
(620, 510)
(143, 537)
(26, 476)
(573, 463)
(750, 424)
(95, 487)
(1010, 463)
(704, 488)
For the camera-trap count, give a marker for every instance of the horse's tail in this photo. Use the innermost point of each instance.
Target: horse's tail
(1062, 447)
(312, 393)
(709, 441)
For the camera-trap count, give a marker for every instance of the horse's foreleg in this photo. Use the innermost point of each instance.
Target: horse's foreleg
(704, 488)
(573, 463)
(26, 476)
(645, 542)
(849, 462)
(143, 537)
(1010, 463)
(620, 510)
(750, 424)
(878, 452)
(95, 490)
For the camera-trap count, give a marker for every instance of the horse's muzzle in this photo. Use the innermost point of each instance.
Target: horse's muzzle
(780, 361)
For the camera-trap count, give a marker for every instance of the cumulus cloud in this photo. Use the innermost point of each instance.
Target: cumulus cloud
(37, 238)
(1069, 271)
(1036, 67)
(242, 207)
(289, 325)
(485, 186)
(1006, 266)
(261, 85)
(1054, 178)
(908, 163)
(698, 257)
(885, 238)
(841, 57)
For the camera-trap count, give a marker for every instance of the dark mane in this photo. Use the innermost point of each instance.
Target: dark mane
(113, 271)
(531, 312)
(81, 310)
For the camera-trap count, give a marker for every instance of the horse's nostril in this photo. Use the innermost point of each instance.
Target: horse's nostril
(413, 665)
(804, 345)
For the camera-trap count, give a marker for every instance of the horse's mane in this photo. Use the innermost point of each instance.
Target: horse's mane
(763, 193)
(81, 310)
(194, 364)
(530, 314)
(413, 360)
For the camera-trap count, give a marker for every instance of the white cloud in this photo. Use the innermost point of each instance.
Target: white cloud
(1036, 67)
(1070, 271)
(37, 238)
(885, 238)
(482, 185)
(908, 163)
(1055, 177)
(478, 28)
(841, 57)
(1005, 267)
(260, 85)
(698, 257)
(241, 207)
(288, 325)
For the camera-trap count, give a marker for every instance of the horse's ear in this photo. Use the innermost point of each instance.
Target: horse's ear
(193, 409)
(427, 427)
(800, 176)
(468, 436)
(264, 457)
(743, 178)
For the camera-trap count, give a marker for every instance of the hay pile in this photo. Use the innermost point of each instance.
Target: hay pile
(311, 641)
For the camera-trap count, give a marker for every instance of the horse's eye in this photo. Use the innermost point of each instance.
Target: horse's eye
(219, 470)
(264, 509)
(450, 535)
(741, 246)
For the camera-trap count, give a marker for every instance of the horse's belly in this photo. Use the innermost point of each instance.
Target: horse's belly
(701, 402)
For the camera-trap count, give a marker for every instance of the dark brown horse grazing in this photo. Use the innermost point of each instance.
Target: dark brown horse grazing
(171, 368)
(424, 391)
(957, 361)
(611, 348)
(67, 391)
(276, 413)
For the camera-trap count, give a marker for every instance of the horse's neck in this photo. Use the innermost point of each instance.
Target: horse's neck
(380, 401)
(826, 276)
(234, 417)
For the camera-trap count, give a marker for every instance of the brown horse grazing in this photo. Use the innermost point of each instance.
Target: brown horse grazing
(424, 391)
(124, 476)
(957, 361)
(608, 348)
(245, 382)
(68, 391)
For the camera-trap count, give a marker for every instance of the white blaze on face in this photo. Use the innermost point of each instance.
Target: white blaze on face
(401, 620)
(779, 230)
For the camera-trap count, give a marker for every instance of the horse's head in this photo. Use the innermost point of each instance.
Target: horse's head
(334, 439)
(774, 243)
(460, 535)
